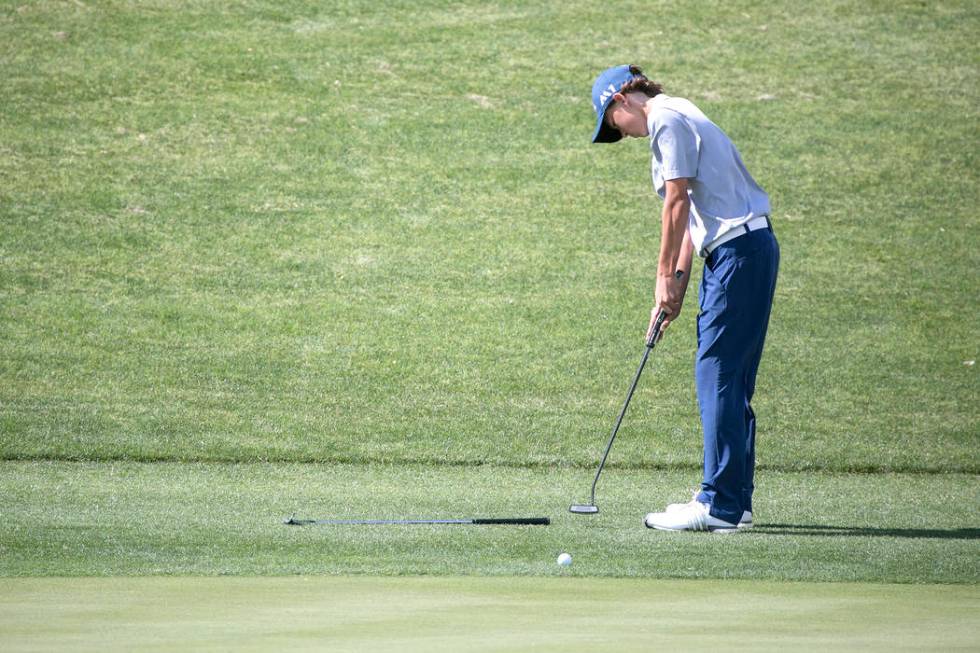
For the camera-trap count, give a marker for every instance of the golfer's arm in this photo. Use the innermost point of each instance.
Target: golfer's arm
(684, 263)
(675, 243)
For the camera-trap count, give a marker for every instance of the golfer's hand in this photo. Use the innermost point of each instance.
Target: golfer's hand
(670, 298)
(653, 321)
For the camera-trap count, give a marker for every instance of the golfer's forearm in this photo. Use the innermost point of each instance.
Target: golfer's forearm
(672, 241)
(687, 255)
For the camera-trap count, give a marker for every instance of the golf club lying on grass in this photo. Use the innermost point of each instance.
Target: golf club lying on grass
(590, 508)
(516, 521)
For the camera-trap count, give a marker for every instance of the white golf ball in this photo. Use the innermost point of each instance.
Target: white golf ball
(564, 559)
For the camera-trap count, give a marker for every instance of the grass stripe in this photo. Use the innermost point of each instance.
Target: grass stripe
(83, 519)
(479, 614)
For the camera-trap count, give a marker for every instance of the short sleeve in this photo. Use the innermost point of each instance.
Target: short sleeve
(676, 146)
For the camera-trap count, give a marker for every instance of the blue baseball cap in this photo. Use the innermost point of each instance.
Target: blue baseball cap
(607, 85)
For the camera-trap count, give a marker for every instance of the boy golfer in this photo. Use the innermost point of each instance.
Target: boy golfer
(712, 206)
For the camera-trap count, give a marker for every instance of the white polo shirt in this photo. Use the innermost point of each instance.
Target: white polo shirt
(685, 144)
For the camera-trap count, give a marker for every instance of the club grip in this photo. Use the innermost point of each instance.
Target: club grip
(661, 316)
(655, 332)
(526, 521)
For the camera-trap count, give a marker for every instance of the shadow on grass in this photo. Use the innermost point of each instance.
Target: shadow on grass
(833, 531)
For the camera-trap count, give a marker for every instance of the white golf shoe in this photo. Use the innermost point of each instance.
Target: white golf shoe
(744, 522)
(691, 516)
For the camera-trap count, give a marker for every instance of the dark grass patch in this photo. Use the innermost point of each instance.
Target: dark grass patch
(112, 519)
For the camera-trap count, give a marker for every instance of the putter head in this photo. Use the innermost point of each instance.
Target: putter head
(583, 509)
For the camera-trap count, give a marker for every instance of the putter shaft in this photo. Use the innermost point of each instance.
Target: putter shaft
(619, 420)
(650, 344)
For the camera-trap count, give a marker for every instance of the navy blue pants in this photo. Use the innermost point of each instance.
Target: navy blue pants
(735, 299)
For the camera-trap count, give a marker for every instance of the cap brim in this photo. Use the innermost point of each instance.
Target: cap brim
(603, 132)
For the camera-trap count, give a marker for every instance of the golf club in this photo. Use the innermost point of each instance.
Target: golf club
(516, 521)
(591, 508)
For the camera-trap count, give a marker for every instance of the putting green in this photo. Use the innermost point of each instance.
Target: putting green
(484, 614)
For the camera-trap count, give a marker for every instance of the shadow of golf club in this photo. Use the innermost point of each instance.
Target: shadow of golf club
(862, 531)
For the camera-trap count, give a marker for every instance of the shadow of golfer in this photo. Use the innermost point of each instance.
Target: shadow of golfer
(862, 531)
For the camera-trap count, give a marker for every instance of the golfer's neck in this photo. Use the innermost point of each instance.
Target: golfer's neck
(648, 106)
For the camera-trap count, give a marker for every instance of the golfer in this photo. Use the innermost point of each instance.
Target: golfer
(712, 206)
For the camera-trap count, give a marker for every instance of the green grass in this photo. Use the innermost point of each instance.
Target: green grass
(97, 519)
(473, 614)
(378, 233)
(359, 259)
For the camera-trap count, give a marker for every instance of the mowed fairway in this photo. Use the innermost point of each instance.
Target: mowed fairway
(180, 519)
(359, 260)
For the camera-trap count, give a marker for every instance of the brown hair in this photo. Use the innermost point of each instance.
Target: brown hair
(641, 84)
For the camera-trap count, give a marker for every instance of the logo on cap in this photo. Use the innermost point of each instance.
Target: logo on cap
(608, 93)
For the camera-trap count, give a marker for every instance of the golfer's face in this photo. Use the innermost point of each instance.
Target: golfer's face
(627, 121)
